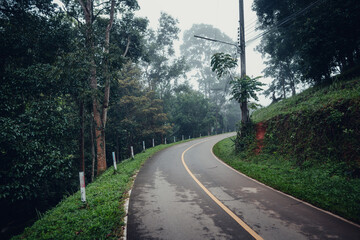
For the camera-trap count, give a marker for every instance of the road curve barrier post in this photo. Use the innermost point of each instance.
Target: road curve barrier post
(132, 152)
(114, 160)
(82, 186)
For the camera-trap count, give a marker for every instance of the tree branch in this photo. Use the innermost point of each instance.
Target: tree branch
(83, 5)
(127, 47)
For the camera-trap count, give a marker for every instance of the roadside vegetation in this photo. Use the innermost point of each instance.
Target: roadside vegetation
(102, 216)
(311, 148)
(73, 72)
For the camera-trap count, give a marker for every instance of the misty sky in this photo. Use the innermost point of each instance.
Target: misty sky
(222, 14)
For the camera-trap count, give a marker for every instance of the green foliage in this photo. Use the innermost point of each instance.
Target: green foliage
(243, 89)
(326, 185)
(48, 54)
(221, 63)
(312, 99)
(135, 114)
(311, 147)
(316, 38)
(317, 125)
(198, 54)
(245, 138)
(160, 66)
(102, 217)
(190, 111)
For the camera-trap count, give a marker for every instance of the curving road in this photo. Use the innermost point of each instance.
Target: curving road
(185, 192)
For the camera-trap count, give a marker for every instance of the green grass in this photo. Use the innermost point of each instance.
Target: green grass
(102, 217)
(324, 185)
(311, 99)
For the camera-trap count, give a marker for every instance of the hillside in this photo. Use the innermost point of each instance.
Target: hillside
(310, 147)
(320, 124)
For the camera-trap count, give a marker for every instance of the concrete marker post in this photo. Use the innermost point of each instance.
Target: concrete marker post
(174, 139)
(82, 186)
(165, 140)
(132, 152)
(144, 145)
(182, 137)
(114, 160)
(153, 142)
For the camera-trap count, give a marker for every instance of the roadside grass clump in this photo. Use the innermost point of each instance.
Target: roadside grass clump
(102, 216)
(312, 99)
(325, 185)
(310, 149)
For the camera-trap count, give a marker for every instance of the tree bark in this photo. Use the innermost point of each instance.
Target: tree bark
(81, 138)
(98, 117)
(92, 150)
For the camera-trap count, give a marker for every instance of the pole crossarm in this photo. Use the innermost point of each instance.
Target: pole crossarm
(215, 40)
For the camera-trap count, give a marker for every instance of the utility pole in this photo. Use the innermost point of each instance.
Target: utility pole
(243, 105)
(241, 50)
(241, 41)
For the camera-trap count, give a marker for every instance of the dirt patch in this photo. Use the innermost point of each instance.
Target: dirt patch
(260, 135)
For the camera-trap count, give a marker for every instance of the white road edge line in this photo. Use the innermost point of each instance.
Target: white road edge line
(301, 201)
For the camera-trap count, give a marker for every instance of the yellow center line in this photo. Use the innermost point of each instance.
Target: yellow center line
(217, 201)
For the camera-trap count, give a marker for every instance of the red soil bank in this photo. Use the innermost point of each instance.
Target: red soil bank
(260, 134)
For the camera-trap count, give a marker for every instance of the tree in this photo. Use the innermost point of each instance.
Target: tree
(161, 68)
(37, 114)
(281, 66)
(242, 89)
(320, 41)
(135, 114)
(190, 111)
(97, 31)
(198, 55)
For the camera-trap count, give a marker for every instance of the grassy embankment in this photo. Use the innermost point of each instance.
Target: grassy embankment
(311, 148)
(102, 217)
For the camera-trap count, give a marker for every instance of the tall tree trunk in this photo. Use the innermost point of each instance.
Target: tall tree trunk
(100, 112)
(92, 150)
(292, 85)
(81, 137)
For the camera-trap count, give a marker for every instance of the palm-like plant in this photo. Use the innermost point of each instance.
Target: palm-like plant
(243, 88)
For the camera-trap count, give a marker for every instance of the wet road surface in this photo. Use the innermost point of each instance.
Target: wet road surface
(184, 192)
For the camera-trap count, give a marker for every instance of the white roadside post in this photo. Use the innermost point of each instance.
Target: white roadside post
(153, 142)
(144, 145)
(165, 140)
(174, 139)
(189, 137)
(82, 186)
(200, 134)
(132, 152)
(182, 137)
(114, 159)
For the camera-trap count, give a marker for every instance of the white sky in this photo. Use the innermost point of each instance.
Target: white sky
(222, 14)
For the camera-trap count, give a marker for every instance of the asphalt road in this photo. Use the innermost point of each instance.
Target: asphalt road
(184, 192)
